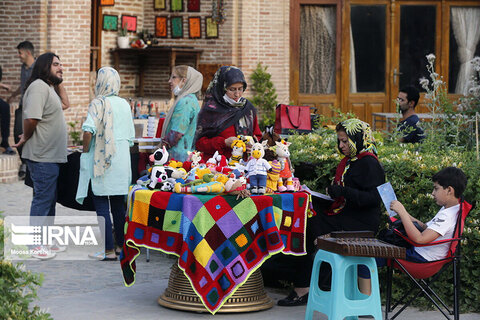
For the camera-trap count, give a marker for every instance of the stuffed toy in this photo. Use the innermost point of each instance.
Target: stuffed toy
(273, 176)
(220, 177)
(175, 164)
(235, 184)
(217, 163)
(238, 148)
(194, 159)
(285, 183)
(158, 173)
(168, 185)
(271, 137)
(257, 169)
(206, 184)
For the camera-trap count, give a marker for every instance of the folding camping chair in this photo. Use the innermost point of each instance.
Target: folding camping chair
(424, 274)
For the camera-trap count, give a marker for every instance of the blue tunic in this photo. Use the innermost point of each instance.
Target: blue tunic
(184, 121)
(117, 178)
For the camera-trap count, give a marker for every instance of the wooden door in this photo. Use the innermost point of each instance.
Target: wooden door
(366, 57)
(96, 36)
(416, 33)
(315, 38)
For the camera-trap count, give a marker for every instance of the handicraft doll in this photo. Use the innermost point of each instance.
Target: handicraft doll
(271, 137)
(238, 148)
(257, 169)
(158, 173)
(162, 176)
(193, 160)
(285, 183)
(273, 176)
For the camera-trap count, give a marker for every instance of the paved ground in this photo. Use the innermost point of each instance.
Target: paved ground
(95, 290)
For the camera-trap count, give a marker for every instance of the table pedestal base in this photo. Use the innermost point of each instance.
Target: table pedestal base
(251, 296)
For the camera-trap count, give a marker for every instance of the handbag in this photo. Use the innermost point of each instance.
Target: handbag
(390, 236)
(291, 119)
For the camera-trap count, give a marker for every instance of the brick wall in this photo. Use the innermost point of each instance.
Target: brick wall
(254, 31)
(60, 26)
(68, 35)
(19, 21)
(128, 66)
(263, 33)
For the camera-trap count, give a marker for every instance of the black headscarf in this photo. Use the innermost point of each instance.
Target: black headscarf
(216, 114)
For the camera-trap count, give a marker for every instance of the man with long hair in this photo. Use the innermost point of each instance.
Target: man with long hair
(44, 137)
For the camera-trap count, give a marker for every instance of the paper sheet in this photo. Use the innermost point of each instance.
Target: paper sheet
(388, 195)
(317, 194)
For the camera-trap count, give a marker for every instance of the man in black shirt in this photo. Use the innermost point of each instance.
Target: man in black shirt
(27, 58)
(408, 127)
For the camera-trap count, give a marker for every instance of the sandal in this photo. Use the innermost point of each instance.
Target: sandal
(109, 256)
(102, 256)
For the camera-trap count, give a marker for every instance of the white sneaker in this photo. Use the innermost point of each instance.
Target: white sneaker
(43, 253)
(56, 248)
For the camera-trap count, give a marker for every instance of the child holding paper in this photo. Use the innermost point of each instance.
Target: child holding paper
(448, 187)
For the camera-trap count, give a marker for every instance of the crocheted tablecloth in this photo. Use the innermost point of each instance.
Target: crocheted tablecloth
(219, 240)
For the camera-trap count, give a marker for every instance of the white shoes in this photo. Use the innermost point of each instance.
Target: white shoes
(56, 248)
(43, 253)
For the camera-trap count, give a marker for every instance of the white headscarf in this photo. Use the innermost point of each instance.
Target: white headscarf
(193, 84)
(108, 84)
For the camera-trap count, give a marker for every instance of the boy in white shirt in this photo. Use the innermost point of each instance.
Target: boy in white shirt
(448, 187)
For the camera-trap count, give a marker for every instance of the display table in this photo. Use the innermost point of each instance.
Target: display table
(220, 241)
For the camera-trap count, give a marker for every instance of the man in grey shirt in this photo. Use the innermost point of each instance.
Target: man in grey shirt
(44, 137)
(26, 55)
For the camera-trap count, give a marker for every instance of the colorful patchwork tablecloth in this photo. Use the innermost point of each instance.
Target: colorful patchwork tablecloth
(219, 240)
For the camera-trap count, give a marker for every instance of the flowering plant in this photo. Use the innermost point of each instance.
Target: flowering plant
(470, 103)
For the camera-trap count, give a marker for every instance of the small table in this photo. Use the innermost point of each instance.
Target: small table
(220, 240)
(141, 54)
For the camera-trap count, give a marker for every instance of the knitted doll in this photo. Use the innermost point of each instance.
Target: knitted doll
(257, 169)
(273, 176)
(285, 183)
(238, 148)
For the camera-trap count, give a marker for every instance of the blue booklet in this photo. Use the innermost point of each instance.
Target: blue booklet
(388, 195)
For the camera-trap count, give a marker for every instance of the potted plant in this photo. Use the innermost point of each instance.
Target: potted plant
(122, 40)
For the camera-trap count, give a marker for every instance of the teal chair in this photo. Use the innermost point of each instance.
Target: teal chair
(344, 300)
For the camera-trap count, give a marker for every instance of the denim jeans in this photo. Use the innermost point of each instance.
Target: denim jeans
(115, 204)
(44, 177)
(4, 122)
(258, 180)
(18, 129)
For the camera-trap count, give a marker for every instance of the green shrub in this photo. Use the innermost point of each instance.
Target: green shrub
(265, 97)
(18, 288)
(409, 167)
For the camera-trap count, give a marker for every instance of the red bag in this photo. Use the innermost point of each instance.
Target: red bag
(289, 119)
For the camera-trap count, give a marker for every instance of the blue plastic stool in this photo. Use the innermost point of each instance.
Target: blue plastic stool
(344, 299)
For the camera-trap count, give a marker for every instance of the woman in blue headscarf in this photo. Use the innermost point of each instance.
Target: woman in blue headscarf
(108, 134)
